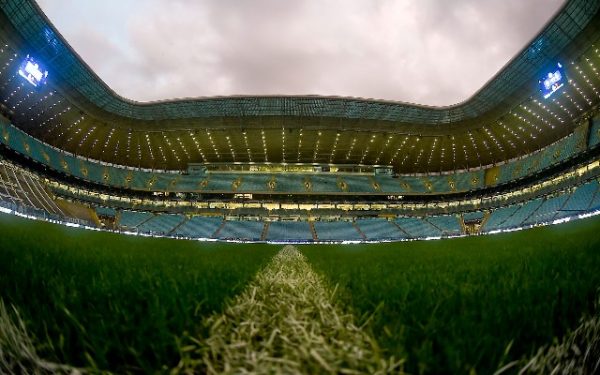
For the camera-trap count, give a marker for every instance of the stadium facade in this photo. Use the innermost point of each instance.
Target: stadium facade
(523, 151)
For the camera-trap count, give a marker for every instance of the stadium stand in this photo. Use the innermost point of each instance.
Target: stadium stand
(521, 214)
(199, 227)
(124, 177)
(56, 163)
(557, 152)
(106, 211)
(498, 217)
(358, 184)
(376, 229)
(579, 201)
(418, 228)
(19, 187)
(547, 210)
(241, 230)
(448, 225)
(595, 204)
(475, 215)
(388, 185)
(335, 230)
(161, 224)
(289, 231)
(132, 219)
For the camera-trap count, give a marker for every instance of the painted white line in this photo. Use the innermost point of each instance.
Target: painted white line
(286, 321)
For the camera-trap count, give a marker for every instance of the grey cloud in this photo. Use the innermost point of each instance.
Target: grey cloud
(428, 51)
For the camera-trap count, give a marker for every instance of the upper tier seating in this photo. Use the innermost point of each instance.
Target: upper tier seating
(469, 180)
(137, 179)
(557, 152)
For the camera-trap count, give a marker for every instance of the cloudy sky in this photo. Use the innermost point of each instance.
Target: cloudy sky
(436, 52)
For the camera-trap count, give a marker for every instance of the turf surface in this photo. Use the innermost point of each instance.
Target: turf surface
(121, 303)
(116, 302)
(459, 305)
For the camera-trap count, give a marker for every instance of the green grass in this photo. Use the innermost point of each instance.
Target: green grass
(285, 322)
(116, 302)
(121, 303)
(473, 303)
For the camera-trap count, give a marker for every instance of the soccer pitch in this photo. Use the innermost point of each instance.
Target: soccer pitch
(118, 303)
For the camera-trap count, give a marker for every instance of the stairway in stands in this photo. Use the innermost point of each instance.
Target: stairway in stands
(216, 234)
(364, 237)
(265, 231)
(313, 231)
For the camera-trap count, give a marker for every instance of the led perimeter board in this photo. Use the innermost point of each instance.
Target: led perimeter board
(552, 81)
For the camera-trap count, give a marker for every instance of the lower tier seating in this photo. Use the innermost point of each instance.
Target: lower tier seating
(379, 229)
(161, 224)
(289, 230)
(199, 227)
(241, 230)
(22, 188)
(336, 230)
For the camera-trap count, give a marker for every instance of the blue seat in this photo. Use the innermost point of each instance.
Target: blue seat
(498, 217)
(380, 229)
(241, 230)
(547, 210)
(325, 184)
(388, 184)
(579, 201)
(336, 231)
(105, 211)
(131, 219)
(161, 224)
(358, 184)
(289, 231)
(418, 228)
(448, 224)
(475, 215)
(521, 214)
(199, 227)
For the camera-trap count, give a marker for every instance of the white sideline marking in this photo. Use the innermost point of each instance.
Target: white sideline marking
(286, 322)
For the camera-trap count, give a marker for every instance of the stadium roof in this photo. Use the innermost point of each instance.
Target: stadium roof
(507, 118)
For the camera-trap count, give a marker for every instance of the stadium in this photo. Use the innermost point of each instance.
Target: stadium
(424, 231)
